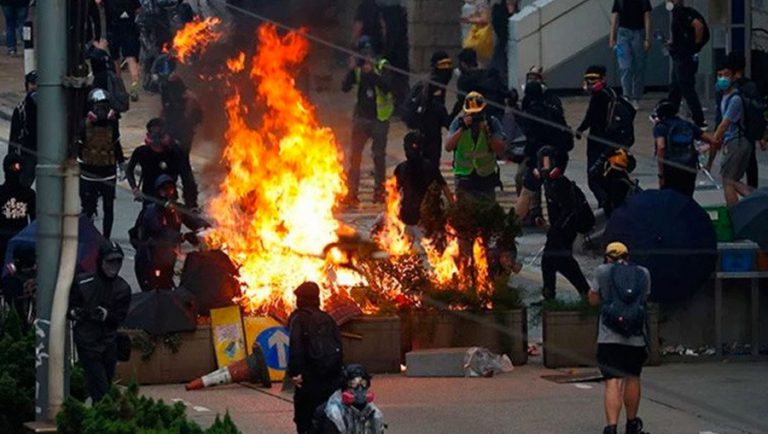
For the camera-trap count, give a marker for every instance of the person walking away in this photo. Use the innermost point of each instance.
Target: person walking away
(675, 139)
(98, 305)
(569, 214)
(100, 155)
(621, 289)
(181, 112)
(596, 121)
(425, 107)
(23, 136)
(476, 140)
(544, 110)
(17, 202)
(689, 35)
(123, 37)
(630, 38)
(350, 410)
(730, 132)
(314, 356)
(160, 155)
(15, 13)
(501, 12)
(373, 110)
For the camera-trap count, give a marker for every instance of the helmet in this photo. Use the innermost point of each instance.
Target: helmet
(364, 43)
(474, 103)
(30, 78)
(616, 250)
(619, 160)
(353, 371)
(98, 95)
(535, 73)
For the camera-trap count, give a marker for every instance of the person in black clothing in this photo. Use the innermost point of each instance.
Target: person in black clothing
(596, 121)
(17, 202)
(160, 155)
(23, 137)
(181, 112)
(98, 305)
(315, 379)
(19, 285)
(101, 65)
(369, 22)
(487, 82)
(500, 14)
(688, 37)
(433, 116)
(123, 36)
(415, 176)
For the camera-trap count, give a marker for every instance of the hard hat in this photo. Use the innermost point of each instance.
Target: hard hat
(98, 95)
(616, 250)
(474, 103)
(619, 160)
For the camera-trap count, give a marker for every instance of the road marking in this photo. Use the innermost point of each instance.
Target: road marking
(200, 408)
(582, 386)
(707, 432)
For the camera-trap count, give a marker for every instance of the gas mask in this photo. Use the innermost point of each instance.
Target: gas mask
(111, 265)
(359, 396)
(101, 112)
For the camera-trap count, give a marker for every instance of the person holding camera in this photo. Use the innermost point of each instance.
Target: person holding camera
(476, 140)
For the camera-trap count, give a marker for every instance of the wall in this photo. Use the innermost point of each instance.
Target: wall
(433, 25)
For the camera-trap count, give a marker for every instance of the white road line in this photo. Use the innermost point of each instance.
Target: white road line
(582, 386)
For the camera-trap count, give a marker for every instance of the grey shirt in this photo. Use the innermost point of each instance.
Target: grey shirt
(601, 284)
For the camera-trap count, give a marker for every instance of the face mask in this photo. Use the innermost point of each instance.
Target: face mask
(670, 6)
(443, 76)
(412, 154)
(358, 397)
(723, 83)
(111, 267)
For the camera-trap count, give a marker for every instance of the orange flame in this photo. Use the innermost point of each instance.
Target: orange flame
(236, 64)
(195, 37)
(274, 210)
(393, 237)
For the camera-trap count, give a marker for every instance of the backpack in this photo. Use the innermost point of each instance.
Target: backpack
(583, 218)
(754, 122)
(620, 125)
(323, 342)
(415, 106)
(550, 109)
(119, 99)
(624, 309)
(680, 144)
(98, 148)
(690, 35)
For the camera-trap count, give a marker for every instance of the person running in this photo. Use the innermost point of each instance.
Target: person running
(373, 110)
(123, 37)
(15, 13)
(630, 38)
(621, 289)
(17, 202)
(596, 121)
(23, 136)
(689, 35)
(476, 140)
(314, 357)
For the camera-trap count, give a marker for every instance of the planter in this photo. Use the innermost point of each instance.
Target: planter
(570, 338)
(379, 347)
(501, 332)
(194, 358)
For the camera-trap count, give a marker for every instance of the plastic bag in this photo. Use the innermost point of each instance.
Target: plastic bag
(481, 362)
(480, 38)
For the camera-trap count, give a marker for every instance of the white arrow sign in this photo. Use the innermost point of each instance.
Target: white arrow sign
(280, 340)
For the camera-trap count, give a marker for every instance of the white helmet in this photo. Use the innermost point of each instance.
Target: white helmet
(98, 95)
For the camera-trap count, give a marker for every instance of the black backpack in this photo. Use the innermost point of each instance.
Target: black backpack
(620, 125)
(680, 144)
(415, 106)
(119, 99)
(690, 34)
(624, 309)
(323, 342)
(754, 123)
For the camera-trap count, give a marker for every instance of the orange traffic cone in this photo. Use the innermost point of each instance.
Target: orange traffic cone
(252, 369)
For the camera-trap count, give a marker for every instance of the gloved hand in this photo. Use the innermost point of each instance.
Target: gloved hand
(99, 314)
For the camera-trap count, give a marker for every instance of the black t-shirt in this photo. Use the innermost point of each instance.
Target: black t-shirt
(121, 11)
(414, 178)
(631, 13)
(365, 106)
(683, 33)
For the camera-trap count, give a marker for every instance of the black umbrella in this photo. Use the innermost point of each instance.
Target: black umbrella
(162, 311)
(750, 218)
(212, 278)
(671, 235)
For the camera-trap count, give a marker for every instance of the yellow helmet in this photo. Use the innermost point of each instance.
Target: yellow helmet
(619, 160)
(474, 103)
(616, 250)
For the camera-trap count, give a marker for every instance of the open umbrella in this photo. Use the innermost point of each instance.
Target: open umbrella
(671, 235)
(162, 311)
(88, 241)
(750, 218)
(212, 278)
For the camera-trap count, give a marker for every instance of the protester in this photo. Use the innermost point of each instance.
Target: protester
(501, 12)
(678, 158)
(314, 357)
(100, 155)
(630, 37)
(689, 35)
(476, 140)
(487, 82)
(15, 13)
(23, 137)
(425, 108)
(737, 149)
(373, 110)
(102, 64)
(565, 206)
(123, 37)
(414, 177)
(19, 284)
(17, 202)
(181, 112)
(621, 289)
(350, 410)
(614, 169)
(160, 155)
(596, 121)
(98, 305)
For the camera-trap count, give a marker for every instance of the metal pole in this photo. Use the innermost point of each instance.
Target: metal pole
(748, 37)
(29, 47)
(52, 140)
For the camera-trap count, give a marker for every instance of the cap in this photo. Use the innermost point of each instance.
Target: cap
(474, 103)
(616, 250)
(441, 60)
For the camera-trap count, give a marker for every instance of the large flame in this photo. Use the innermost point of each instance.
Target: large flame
(195, 37)
(274, 211)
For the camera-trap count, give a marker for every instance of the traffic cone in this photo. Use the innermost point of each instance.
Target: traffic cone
(251, 369)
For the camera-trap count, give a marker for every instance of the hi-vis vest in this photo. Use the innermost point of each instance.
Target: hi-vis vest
(471, 155)
(99, 146)
(385, 101)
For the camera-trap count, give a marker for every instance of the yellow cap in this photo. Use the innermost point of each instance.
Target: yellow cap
(619, 159)
(474, 103)
(616, 250)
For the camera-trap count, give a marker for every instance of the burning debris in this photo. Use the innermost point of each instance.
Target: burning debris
(195, 37)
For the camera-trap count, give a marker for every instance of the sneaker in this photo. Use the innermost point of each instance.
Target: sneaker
(635, 426)
(610, 429)
(11, 52)
(134, 92)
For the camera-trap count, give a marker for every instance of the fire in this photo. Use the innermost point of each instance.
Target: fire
(393, 237)
(236, 64)
(274, 210)
(195, 36)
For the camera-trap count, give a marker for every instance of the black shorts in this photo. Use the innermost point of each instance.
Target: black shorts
(620, 361)
(123, 39)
